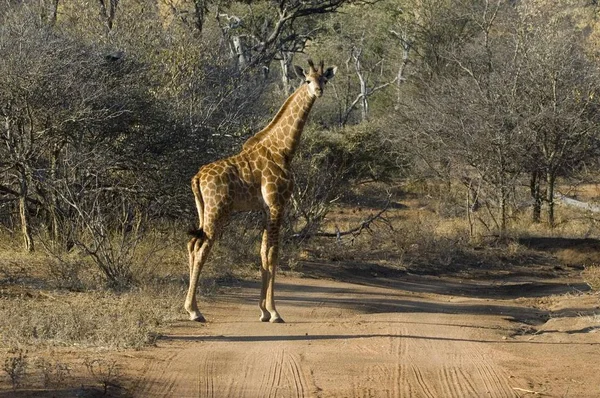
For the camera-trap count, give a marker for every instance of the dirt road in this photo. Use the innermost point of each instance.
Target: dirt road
(381, 336)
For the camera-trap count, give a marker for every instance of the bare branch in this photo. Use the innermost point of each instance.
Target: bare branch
(363, 225)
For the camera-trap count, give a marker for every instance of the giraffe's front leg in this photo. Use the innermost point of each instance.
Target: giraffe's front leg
(269, 256)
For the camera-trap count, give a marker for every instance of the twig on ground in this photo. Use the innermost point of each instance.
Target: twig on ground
(363, 225)
(527, 391)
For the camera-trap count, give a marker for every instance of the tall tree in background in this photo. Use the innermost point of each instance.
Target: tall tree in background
(558, 92)
(514, 92)
(127, 98)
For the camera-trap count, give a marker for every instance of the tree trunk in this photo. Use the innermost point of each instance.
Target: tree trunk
(503, 191)
(550, 181)
(364, 94)
(286, 63)
(406, 44)
(108, 13)
(469, 210)
(503, 210)
(200, 9)
(238, 49)
(50, 12)
(24, 216)
(56, 226)
(54, 12)
(364, 101)
(534, 187)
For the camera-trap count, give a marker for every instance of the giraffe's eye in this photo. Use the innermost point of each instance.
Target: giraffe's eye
(308, 82)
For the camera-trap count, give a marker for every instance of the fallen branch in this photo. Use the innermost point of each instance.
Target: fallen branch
(577, 203)
(363, 225)
(527, 391)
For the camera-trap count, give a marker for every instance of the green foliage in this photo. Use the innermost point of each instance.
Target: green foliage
(355, 150)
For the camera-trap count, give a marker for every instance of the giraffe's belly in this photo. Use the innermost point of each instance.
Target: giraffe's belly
(247, 198)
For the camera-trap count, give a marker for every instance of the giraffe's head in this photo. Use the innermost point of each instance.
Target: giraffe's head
(316, 78)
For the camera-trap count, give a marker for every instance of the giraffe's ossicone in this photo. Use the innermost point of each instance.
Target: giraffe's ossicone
(257, 178)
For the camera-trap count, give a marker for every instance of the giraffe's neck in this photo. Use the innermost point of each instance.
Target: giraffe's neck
(282, 136)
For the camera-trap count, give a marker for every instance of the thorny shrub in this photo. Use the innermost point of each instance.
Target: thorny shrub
(54, 373)
(105, 371)
(15, 365)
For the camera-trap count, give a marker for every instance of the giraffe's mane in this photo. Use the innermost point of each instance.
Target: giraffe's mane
(256, 138)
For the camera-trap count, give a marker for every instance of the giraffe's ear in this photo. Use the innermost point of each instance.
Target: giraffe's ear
(330, 72)
(299, 71)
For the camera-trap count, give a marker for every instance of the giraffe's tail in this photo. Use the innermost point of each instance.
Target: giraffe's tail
(196, 233)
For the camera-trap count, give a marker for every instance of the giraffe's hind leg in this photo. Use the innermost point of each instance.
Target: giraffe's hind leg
(198, 250)
(192, 254)
(265, 315)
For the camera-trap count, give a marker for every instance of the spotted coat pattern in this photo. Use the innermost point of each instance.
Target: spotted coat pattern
(257, 178)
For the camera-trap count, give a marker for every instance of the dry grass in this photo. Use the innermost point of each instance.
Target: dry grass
(15, 366)
(591, 276)
(419, 241)
(434, 236)
(55, 372)
(100, 319)
(62, 300)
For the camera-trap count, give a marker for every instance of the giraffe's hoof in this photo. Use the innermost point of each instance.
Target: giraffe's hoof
(277, 320)
(265, 318)
(198, 318)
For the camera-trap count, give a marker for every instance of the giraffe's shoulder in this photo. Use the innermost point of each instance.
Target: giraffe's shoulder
(254, 151)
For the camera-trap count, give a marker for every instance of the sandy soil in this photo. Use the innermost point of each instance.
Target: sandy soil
(374, 335)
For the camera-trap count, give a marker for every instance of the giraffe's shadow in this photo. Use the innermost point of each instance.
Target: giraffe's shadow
(321, 337)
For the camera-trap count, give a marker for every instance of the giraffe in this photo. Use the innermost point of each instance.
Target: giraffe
(257, 178)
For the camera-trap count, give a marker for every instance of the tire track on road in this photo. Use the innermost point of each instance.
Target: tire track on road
(272, 379)
(158, 379)
(265, 373)
(299, 380)
(430, 367)
(465, 372)
(493, 377)
(424, 389)
(206, 372)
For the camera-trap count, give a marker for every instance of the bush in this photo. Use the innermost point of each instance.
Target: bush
(106, 372)
(54, 372)
(15, 365)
